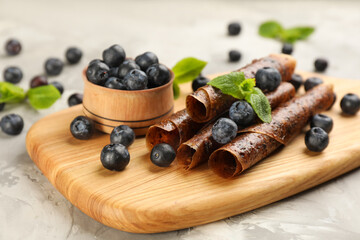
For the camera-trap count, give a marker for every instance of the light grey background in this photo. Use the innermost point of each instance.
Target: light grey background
(31, 208)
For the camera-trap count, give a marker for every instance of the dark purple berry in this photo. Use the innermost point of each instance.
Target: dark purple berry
(97, 73)
(12, 124)
(145, 60)
(115, 157)
(316, 139)
(126, 67)
(13, 75)
(136, 80)
(114, 72)
(115, 83)
(82, 127)
(162, 155)
(38, 81)
(242, 113)
(234, 56)
(73, 55)
(53, 66)
(122, 134)
(234, 28)
(58, 86)
(320, 64)
(114, 55)
(13, 47)
(296, 81)
(199, 82)
(75, 99)
(287, 48)
(158, 75)
(224, 130)
(322, 121)
(350, 104)
(268, 79)
(312, 82)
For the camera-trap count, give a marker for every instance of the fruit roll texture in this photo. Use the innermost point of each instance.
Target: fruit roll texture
(198, 148)
(260, 140)
(208, 102)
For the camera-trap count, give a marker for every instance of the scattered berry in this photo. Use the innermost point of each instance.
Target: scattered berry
(224, 130)
(312, 82)
(350, 104)
(82, 127)
(322, 121)
(268, 79)
(199, 82)
(234, 56)
(73, 55)
(320, 64)
(145, 60)
(12, 124)
(296, 81)
(241, 113)
(58, 86)
(97, 73)
(115, 157)
(136, 80)
(75, 99)
(114, 55)
(158, 75)
(115, 83)
(287, 48)
(162, 155)
(53, 66)
(13, 47)
(316, 139)
(38, 81)
(122, 134)
(126, 67)
(13, 75)
(234, 28)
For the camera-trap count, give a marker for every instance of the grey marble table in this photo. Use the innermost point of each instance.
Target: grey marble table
(31, 208)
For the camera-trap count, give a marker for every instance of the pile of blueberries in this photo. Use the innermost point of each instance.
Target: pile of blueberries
(118, 72)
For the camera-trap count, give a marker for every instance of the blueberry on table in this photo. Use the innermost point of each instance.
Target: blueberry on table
(13, 75)
(75, 99)
(350, 104)
(312, 82)
(115, 83)
(115, 157)
(114, 71)
(322, 121)
(114, 55)
(234, 28)
(73, 55)
(296, 81)
(316, 139)
(126, 67)
(287, 48)
(12, 124)
(122, 134)
(162, 155)
(224, 130)
(320, 64)
(2, 105)
(97, 73)
(268, 79)
(38, 81)
(234, 56)
(242, 113)
(12, 47)
(58, 86)
(158, 75)
(53, 66)
(136, 80)
(146, 59)
(82, 127)
(199, 82)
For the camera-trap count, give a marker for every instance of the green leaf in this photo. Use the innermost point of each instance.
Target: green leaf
(260, 104)
(176, 90)
(229, 84)
(247, 86)
(43, 97)
(270, 29)
(187, 69)
(292, 35)
(10, 93)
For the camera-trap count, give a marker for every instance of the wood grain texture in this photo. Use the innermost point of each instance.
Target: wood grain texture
(146, 199)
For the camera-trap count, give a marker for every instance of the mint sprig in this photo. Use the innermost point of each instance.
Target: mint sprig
(10, 93)
(236, 85)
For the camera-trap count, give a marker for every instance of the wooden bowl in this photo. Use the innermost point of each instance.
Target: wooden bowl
(138, 109)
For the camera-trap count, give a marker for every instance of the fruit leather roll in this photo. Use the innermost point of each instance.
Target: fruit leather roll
(198, 149)
(258, 141)
(208, 102)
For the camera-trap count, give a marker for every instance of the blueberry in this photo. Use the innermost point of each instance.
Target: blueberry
(53, 66)
(114, 55)
(162, 155)
(75, 99)
(296, 81)
(13, 75)
(316, 139)
(136, 80)
(126, 67)
(82, 127)
(97, 73)
(12, 124)
(2, 105)
(122, 134)
(224, 130)
(58, 86)
(114, 72)
(95, 61)
(145, 60)
(115, 157)
(73, 55)
(241, 113)
(234, 28)
(158, 75)
(115, 83)
(320, 64)
(199, 82)
(312, 82)
(322, 121)
(234, 56)
(287, 48)
(268, 79)
(350, 104)
(13, 47)
(38, 81)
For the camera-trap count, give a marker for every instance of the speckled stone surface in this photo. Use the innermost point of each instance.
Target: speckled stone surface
(31, 208)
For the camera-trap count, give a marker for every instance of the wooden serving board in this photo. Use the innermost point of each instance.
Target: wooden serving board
(147, 199)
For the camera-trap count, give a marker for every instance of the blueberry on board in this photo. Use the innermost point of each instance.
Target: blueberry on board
(75, 99)
(13, 75)
(122, 134)
(224, 130)
(114, 55)
(268, 79)
(158, 75)
(136, 80)
(115, 83)
(126, 67)
(73, 55)
(97, 73)
(320, 64)
(287, 48)
(162, 155)
(53, 66)
(234, 56)
(234, 28)
(12, 124)
(316, 139)
(296, 81)
(145, 60)
(13, 47)
(58, 86)
(82, 127)
(322, 121)
(2, 105)
(350, 104)
(115, 157)
(38, 81)
(242, 113)
(199, 82)
(312, 82)
(114, 72)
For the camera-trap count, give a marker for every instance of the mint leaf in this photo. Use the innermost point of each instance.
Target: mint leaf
(187, 69)
(229, 84)
(247, 86)
(43, 97)
(260, 104)
(176, 90)
(270, 29)
(10, 93)
(292, 35)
